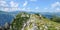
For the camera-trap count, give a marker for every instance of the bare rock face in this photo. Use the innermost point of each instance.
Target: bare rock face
(7, 26)
(0, 28)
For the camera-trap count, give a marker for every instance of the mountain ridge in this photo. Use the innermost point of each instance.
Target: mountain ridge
(34, 22)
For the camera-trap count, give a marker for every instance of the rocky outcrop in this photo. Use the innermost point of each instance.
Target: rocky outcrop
(5, 27)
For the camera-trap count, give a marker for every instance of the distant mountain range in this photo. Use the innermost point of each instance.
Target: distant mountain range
(5, 17)
(9, 16)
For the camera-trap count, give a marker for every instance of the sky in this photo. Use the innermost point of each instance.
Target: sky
(30, 5)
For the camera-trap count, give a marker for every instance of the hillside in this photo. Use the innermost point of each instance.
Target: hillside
(25, 21)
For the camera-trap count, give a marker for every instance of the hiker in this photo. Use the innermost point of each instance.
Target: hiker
(40, 16)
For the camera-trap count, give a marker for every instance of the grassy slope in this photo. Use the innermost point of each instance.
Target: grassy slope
(41, 24)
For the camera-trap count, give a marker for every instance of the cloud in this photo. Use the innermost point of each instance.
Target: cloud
(5, 6)
(25, 3)
(14, 4)
(6, 9)
(45, 8)
(3, 3)
(54, 7)
(37, 8)
(25, 9)
(56, 4)
(33, 0)
(57, 10)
